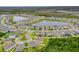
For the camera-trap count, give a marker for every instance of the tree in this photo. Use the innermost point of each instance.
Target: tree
(11, 19)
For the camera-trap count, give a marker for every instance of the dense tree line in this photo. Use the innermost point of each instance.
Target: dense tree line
(38, 12)
(2, 34)
(70, 44)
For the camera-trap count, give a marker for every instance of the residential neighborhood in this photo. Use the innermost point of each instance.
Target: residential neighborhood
(28, 32)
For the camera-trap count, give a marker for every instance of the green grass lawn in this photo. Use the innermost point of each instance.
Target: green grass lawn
(1, 48)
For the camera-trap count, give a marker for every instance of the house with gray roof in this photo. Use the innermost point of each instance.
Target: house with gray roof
(9, 46)
(19, 47)
(33, 43)
(4, 28)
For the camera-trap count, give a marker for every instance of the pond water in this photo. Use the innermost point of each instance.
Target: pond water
(16, 17)
(50, 23)
(19, 18)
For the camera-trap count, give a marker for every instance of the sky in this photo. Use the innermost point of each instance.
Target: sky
(39, 2)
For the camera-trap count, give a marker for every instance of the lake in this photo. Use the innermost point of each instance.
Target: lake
(50, 23)
(20, 18)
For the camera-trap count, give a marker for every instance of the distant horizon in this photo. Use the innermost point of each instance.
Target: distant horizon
(40, 7)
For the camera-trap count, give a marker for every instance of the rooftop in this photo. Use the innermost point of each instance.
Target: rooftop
(9, 46)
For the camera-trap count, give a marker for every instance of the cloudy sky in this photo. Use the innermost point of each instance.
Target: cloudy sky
(39, 2)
